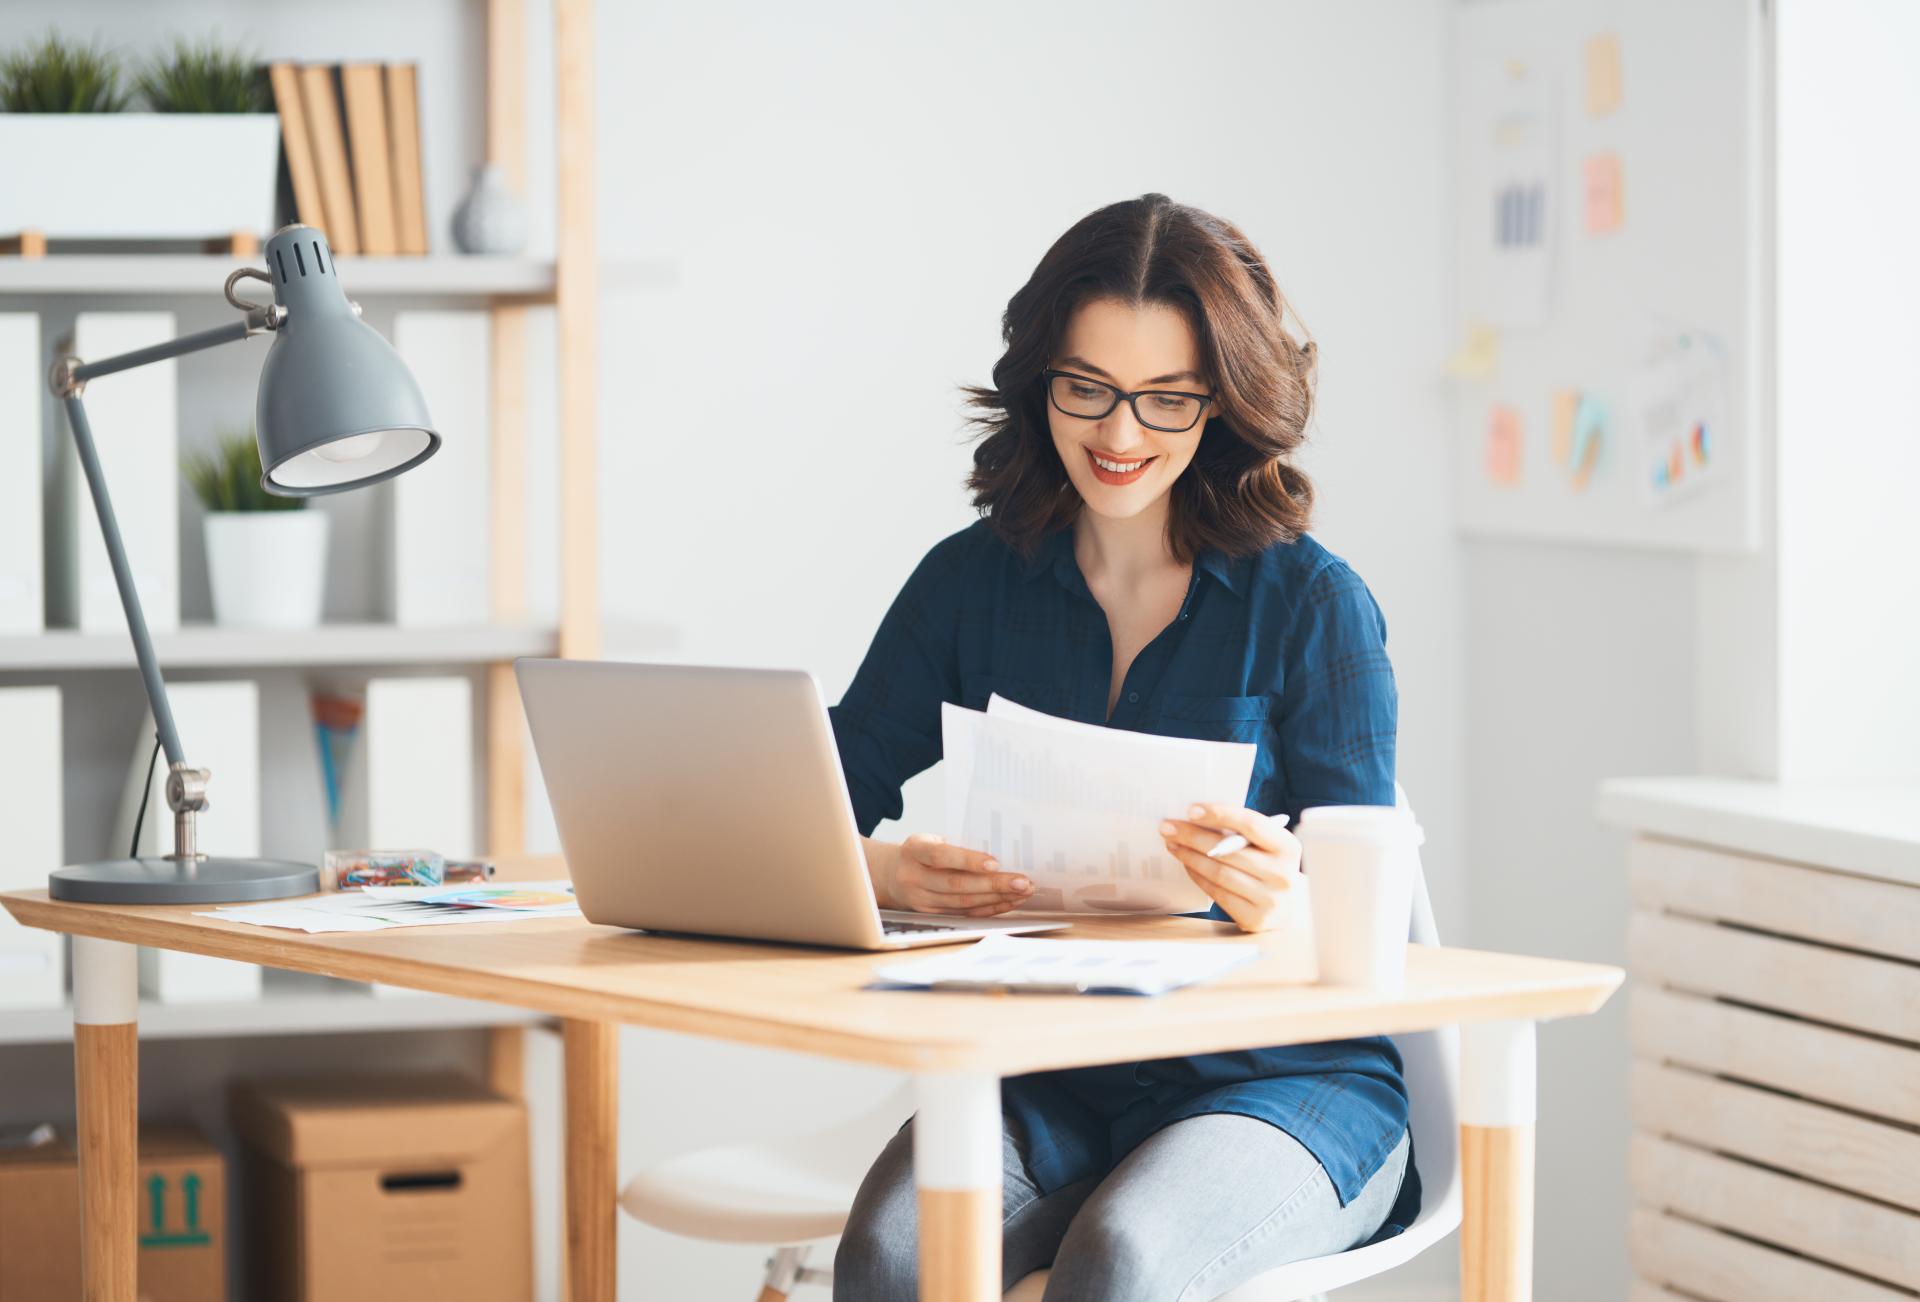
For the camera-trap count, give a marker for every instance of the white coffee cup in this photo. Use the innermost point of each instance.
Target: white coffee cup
(1359, 862)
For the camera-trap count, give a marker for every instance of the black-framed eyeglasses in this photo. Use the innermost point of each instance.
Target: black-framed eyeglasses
(1165, 410)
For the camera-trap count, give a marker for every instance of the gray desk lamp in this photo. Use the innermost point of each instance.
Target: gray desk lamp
(337, 409)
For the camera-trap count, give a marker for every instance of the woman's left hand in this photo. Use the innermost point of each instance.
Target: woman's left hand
(1247, 883)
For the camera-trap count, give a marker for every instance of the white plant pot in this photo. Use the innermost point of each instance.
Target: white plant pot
(267, 569)
(104, 176)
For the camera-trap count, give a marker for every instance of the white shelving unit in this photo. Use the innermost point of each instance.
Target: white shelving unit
(194, 273)
(208, 646)
(199, 275)
(294, 1003)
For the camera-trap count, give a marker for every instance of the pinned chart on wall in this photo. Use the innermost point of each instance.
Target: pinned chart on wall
(1606, 193)
(1506, 445)
(1679, 400)
(1515, 166)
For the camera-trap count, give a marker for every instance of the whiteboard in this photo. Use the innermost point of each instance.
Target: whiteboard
(1650, 311)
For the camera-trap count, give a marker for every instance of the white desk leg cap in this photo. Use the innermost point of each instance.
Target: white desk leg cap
(1497, 1083)
(106, 982)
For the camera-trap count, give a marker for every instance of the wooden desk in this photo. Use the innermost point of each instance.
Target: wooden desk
(958, 1047)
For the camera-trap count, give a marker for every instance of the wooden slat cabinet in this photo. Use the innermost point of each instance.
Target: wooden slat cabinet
(1775, 1025)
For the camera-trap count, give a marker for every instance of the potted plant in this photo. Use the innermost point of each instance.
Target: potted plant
(201, 163)
(266, 556)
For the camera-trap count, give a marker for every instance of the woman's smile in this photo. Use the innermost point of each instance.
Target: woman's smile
(1117, 470)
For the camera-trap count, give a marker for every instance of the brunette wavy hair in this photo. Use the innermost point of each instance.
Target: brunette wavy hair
(1242, 492)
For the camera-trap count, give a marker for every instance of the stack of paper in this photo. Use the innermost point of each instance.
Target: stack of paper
(380, 908)
(1071, 967)
(1078, 808)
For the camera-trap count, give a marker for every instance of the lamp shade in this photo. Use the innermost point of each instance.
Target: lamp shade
(337, 408)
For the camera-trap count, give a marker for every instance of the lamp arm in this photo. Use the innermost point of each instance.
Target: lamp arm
(123, 579)
(80, 372)
(186, 787)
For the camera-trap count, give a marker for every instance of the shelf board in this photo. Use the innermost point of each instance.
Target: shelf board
(292, 1004)
(197, 273)
(207, 646)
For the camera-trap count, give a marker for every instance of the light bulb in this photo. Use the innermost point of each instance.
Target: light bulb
(355, 447)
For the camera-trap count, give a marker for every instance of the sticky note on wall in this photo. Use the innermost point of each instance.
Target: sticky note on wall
(1606, 198)
(1505, 434)
(1603, 74)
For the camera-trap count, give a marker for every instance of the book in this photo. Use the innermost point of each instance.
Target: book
(32, 966)
(441, 557)
(326, 130)
(219, 726)
(409, 185)
(296, 146)
(363, 93)
(410, 780)
(22, 384)
(135, 422)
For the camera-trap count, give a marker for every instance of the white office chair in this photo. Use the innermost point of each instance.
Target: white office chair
(796, 1191)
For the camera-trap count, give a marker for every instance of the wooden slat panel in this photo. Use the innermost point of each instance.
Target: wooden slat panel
(1821, 1143)
(1815, 1061)
(1709, 1264)
(1880, 1242)
(1829, 985)
(1814, 903)
(1641, 1291)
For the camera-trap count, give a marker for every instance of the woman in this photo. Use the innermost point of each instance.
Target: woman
(1142, 562)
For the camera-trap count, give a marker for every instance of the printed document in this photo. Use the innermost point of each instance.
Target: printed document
(1070, 967)
(1077, 807)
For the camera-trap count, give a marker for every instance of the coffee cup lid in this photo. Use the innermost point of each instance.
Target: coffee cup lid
(1361, 820)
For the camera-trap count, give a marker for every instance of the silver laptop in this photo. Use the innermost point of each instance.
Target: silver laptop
(711, 801)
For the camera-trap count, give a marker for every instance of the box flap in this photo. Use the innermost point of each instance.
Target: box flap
(376, 1121)
(159, 1142)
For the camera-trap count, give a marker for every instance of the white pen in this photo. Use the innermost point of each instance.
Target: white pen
(1228, 844)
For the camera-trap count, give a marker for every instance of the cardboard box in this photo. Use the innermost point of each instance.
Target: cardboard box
(385, 1189)
(182, 1211)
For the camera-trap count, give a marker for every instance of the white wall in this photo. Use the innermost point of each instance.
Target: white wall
(1580, 667)
(851, 192)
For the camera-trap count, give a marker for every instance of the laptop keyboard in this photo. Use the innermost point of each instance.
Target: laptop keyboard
(892, 928)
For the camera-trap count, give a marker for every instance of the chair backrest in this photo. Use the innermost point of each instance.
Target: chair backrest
(1432, 1066)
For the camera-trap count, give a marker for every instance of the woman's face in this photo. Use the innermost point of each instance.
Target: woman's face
(1120, 466)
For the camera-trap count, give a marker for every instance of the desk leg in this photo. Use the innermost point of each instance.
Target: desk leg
(593, 1114)
(106, 1080)
(1496, 1161)
(956, 1164)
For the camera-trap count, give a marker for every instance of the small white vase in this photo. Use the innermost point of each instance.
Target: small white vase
(491, 219)
(267, 569)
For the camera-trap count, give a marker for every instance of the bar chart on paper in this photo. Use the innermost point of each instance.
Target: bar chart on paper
(1077, 807)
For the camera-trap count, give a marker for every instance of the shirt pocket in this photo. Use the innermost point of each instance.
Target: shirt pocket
(1215, 718)
(976, 688)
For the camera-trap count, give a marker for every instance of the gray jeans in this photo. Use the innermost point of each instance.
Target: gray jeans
(1197, 1209)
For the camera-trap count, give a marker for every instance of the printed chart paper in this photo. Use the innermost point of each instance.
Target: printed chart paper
(1077, 807)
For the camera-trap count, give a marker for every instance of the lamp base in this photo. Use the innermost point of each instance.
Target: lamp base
(204, 880)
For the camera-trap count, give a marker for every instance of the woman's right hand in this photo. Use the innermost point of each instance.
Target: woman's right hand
(925, 874)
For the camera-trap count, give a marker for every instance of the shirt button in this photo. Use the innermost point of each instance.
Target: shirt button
(1133, 698)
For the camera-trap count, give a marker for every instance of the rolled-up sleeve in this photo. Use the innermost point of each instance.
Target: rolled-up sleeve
(1339, 707)
(887, 726)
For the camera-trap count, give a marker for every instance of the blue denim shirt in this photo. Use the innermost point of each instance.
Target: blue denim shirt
(1284, 648)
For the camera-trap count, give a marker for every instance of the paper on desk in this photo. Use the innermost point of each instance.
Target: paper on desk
(552, 899)
(1077, 807)
(1121, 967)
(365, 911)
